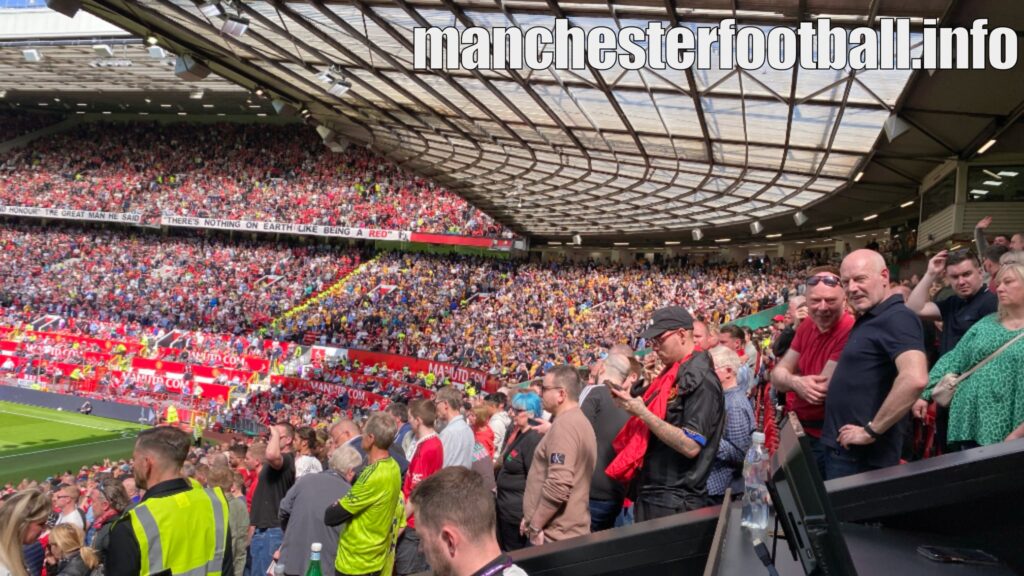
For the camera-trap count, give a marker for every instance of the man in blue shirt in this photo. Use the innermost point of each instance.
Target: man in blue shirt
(879, 376)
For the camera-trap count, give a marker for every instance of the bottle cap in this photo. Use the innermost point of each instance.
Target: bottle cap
(316, 547)
(758, 437)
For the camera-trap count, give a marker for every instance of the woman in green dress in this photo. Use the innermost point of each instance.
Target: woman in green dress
(988, 407)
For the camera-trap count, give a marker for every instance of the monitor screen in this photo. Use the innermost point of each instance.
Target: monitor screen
(802, 506)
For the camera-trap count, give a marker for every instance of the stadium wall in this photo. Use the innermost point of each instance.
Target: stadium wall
(123, 412)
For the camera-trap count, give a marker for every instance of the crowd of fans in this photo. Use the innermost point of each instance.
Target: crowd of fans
(230, 171)
(549, 459)
(515, 318)
(18, 123)
(120, 277)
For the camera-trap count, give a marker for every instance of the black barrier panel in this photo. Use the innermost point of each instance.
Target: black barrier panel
(973, 495)
(123, 412)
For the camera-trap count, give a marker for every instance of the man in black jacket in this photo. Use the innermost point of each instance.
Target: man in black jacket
(606, 495)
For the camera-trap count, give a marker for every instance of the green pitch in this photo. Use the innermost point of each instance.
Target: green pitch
(39, 442)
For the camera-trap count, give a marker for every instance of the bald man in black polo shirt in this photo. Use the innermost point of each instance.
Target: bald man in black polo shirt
(879, 376)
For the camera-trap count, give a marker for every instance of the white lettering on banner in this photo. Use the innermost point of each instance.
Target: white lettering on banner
(287, 228)
(456, 373)
(65, 214)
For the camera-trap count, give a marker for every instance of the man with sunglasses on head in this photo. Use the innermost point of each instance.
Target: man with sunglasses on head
(880, 374)
(668, 445)
(971, 301)
(806, 368)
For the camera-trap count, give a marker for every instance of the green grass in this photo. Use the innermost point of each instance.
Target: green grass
(39, 442)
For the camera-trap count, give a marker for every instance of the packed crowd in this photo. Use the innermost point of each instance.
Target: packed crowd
(550, 459)
(113, 276)
(18, 123)
(230, 171)
(516, 318)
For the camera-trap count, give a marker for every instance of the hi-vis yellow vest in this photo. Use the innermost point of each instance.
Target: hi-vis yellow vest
(185, 533)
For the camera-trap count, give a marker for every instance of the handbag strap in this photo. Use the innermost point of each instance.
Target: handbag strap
(990, 357)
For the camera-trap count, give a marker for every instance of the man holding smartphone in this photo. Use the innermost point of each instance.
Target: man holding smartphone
(671, 441)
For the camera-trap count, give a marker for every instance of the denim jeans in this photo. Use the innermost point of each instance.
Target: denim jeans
(820, 452)
(840, 463)
(265, 542)
(603, 514)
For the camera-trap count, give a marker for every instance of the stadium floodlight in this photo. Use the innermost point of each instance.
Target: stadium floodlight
(756, 227)
(32, 55)
(152, 40)
(800, 218)
(211, 9)
(66, 7)
(339, 88)
(103, 50)
(235, 26)
(697, 235)
(895, 127)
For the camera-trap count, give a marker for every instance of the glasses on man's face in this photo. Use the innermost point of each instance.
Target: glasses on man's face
(828, 280)
(546, 388)
(659, 341)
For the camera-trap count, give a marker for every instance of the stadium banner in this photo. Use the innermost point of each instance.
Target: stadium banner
(457, 374)
(490, 243)
(286, 228)
(219, 359)
(359, 398)
(66, 214)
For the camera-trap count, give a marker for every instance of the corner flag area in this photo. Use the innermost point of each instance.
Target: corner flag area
(39, 442)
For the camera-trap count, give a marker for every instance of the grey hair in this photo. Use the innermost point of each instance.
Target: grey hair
(616, 367)
(345, 459)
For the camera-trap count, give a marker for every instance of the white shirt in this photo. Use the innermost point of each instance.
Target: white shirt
(72, 518)
(307, 465)
(457, 441)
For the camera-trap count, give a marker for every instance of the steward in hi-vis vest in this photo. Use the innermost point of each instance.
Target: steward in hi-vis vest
(178, 528)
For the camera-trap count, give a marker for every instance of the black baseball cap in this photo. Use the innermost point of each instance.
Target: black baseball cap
(668, 318)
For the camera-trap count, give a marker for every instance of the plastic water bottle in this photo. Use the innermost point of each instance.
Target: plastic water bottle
(314, 560)
(755, 492)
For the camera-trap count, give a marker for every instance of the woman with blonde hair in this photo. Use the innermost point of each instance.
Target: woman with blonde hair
(66, 555)
(22, 520)
(988, 406)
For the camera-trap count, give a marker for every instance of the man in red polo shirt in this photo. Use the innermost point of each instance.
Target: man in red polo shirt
(806, 368)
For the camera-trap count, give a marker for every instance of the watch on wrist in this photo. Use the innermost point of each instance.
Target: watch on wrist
(871, 431)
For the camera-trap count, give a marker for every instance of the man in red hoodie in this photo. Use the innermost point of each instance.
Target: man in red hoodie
(671, 441)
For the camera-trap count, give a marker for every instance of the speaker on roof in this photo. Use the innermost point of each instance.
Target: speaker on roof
(576, 240)
(66, 7)
(756, 227)
(189, 69)
(800, 218)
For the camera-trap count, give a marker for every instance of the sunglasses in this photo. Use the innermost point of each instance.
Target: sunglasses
(830, 281)
(660, 340)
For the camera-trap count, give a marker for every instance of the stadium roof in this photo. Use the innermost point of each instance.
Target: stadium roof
(641, 155)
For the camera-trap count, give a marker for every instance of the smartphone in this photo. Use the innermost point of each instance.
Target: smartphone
(957, 555)
(533, 422)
